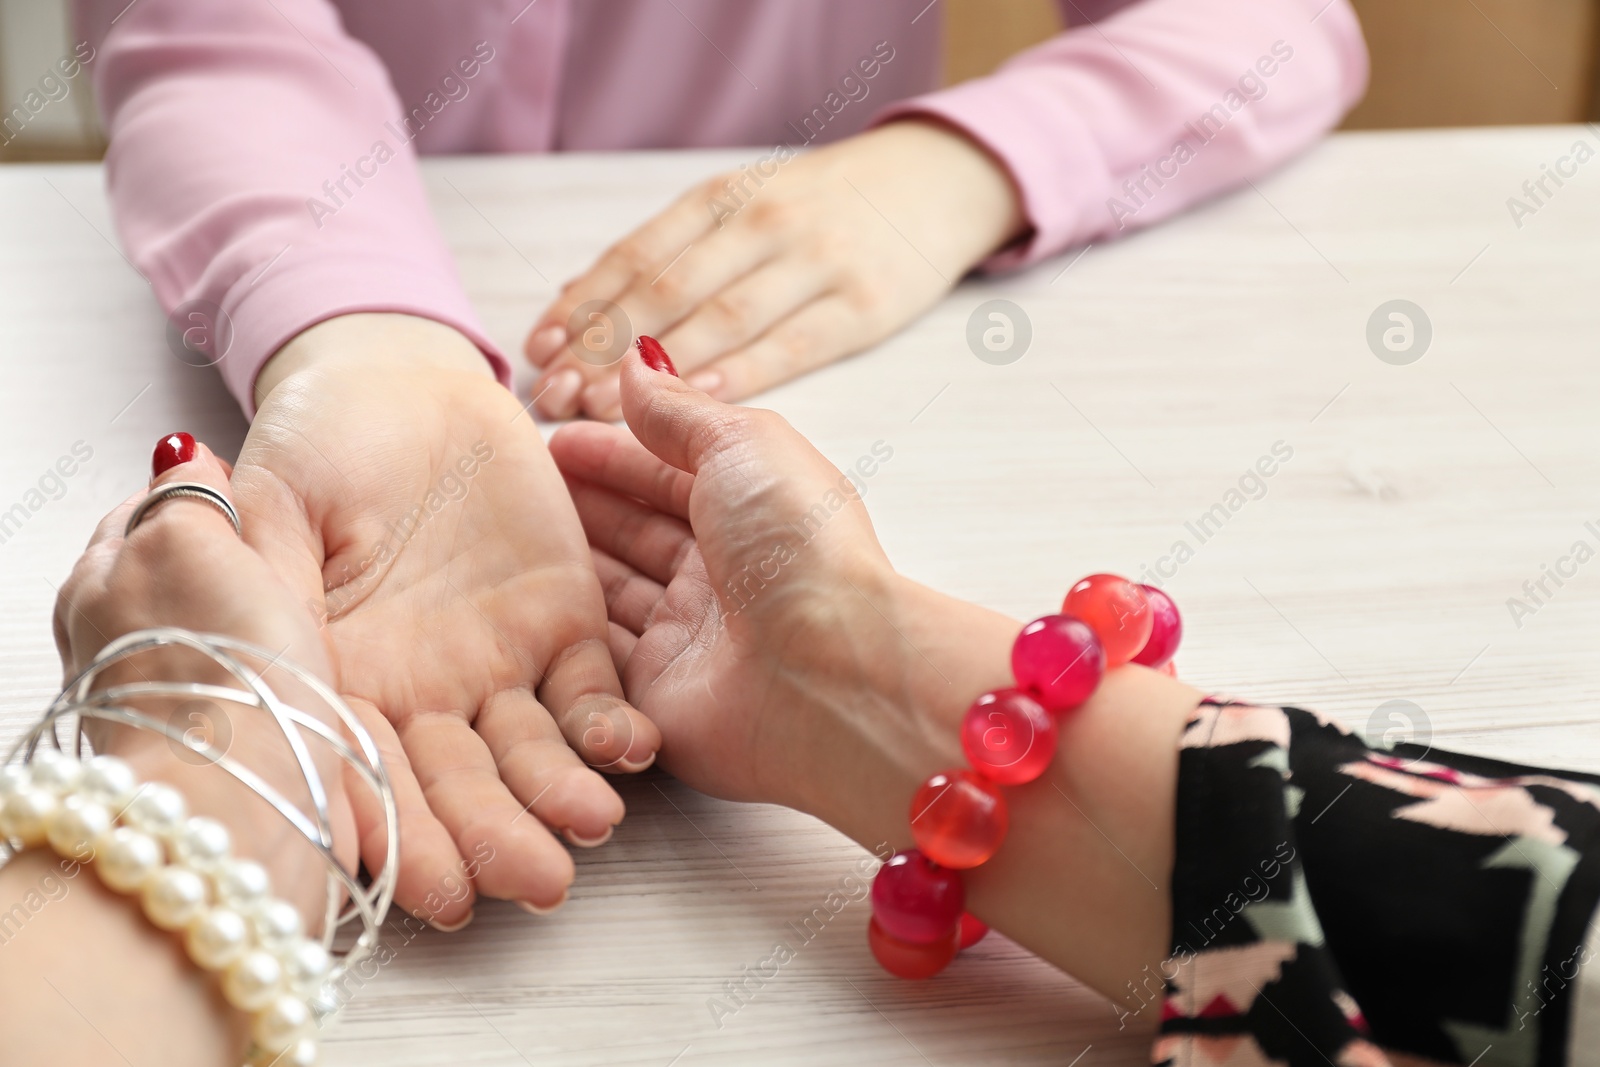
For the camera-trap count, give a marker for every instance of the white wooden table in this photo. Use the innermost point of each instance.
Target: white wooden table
(1376, 567)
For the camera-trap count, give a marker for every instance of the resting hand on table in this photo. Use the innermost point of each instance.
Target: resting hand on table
(836, 251)
(406, 497)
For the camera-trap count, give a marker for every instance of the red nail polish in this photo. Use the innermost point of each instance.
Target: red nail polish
(654, 356)
(171, 450)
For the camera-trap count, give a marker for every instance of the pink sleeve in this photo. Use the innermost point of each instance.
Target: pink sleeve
(226, 118)
(1126, 121)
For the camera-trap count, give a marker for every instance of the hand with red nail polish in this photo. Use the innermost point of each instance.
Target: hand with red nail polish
(833, 252)
(655, 357)
(415, 507)
(185, 567)
(761, 627)
(703, 625)
(171, 450)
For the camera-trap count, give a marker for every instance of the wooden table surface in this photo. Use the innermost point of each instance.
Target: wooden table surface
(1374, 565)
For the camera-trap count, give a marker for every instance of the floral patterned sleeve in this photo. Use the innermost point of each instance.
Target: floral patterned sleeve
(1340, 904)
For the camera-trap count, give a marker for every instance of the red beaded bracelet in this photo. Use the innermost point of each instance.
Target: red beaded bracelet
(959, 816)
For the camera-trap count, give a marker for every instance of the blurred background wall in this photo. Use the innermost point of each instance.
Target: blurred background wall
(33, 37)
(1434, 63)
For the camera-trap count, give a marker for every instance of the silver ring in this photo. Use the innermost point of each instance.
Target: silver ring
(192, 490)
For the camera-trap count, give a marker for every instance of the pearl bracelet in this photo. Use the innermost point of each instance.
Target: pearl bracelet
(142, 841)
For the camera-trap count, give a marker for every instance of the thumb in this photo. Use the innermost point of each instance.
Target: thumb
(178, 457)
(677, 422)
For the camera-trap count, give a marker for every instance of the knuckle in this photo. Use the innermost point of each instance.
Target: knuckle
(774, 214)
(832, 247)
(174, 530)
(731, 310)
(714, 187)
(630, 255)
(724, 432)
(866, 298)
(795, 344)
(157, 540)
(769, 423)
(671, 289)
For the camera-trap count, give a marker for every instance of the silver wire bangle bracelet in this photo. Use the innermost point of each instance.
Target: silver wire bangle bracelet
(336, 730)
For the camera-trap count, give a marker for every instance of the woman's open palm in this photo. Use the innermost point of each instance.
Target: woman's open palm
(418, 511)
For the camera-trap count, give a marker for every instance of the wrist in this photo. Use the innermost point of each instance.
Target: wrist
(1092, 837)
(370, 340)
(899, 719)
(983, 208)
(259, 831)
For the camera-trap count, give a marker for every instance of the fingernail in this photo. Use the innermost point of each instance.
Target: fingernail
(601, 398)
(589, 842)
(462, 925)
(635, 768)
(546, 342)
(555, 397)
(707, 381)
(654, 356)
(171, 450)
(534, 909)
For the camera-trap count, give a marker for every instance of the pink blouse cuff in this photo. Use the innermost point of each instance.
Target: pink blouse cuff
(289, 298)
(1023, 125)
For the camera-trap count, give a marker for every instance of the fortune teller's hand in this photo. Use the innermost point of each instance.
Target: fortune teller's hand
(184, 566)
(760, 623)
(751, 286)
(761, 627)
(404, 494)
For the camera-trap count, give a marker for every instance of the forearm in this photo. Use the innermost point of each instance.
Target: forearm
(1083, 878)
(84, 965)
(1117, 124)
(86, 979)
(201, 98)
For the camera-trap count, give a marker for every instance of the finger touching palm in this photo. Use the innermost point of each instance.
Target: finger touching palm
(704, 623)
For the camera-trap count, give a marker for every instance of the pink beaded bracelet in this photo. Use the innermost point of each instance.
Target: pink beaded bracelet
(959, 816)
